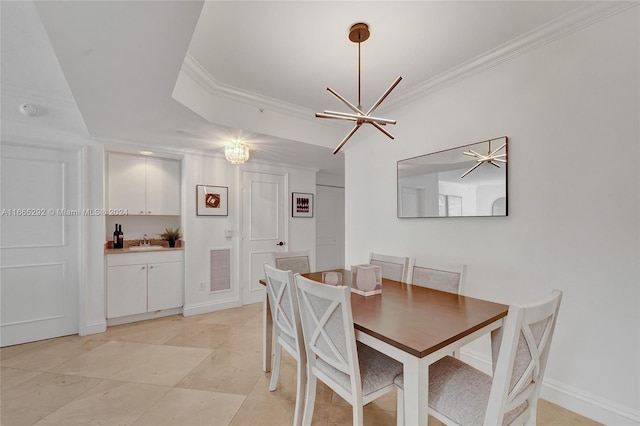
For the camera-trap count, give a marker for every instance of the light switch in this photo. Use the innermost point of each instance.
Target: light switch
(228, 233)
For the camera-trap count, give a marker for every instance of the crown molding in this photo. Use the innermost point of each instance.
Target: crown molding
(547, 33)
(192, 68)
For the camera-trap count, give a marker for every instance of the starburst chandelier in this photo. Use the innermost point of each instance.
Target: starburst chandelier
(359, 33)
(492, 158)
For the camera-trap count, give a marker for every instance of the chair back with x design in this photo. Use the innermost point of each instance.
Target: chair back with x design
(327, 324)
(522, 353)
(283, 302)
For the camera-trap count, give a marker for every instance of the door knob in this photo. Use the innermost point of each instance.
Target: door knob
(280, 244)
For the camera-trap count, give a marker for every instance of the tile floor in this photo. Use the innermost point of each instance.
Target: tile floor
(201, 370)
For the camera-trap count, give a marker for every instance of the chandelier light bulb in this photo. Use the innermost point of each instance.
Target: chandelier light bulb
(236, 152)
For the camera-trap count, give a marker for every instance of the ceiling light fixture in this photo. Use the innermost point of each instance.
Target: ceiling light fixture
(28, 110)
(236, 152)
(490, 158)
(359, 33)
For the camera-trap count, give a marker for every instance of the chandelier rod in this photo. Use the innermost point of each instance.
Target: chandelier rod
(359, 103)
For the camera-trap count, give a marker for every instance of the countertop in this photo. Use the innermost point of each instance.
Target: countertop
(128, 250)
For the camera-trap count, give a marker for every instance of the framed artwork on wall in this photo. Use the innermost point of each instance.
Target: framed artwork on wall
(212, 200)
(301, 204)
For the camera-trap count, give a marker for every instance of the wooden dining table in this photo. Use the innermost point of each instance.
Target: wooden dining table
(413, 325)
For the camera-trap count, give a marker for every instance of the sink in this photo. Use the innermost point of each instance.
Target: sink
(139, 248)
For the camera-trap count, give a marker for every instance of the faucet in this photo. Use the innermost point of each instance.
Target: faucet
(145, 241)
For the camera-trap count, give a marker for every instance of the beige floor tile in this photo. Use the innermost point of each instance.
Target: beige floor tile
(202, 335)
(48, 354)
(236, 316)
(33, 399)
(136, 362)
(193, 408)
(553, 415)
(104, 361)
(214, 358)
(162, 365)
(264, 408)
(156, 331)
(225, 371)
(10, 377)
(244, 339)
(109, 403)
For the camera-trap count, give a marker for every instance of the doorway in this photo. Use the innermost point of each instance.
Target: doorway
(264, 212)
(329, 227)
(39, 243)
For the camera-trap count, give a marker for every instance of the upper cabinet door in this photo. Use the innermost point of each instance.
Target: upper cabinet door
(126, 183)
(143, 186)
(163, 187)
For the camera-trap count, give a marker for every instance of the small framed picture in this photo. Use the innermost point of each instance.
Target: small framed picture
(212, 200)
(301, 204)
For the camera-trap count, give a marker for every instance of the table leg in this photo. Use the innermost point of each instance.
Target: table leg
(416, 391)
(267, 333)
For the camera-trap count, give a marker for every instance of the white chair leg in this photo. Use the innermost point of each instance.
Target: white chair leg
(275, 370)
(400, 407)
(533, 414)
(309, 400)
(358, 414)
(300, 390)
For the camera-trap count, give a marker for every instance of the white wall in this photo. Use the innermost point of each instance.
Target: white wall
(202, 233)
(570, 109)
(31, 74)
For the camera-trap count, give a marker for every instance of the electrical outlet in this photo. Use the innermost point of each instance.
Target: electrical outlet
(202, 285)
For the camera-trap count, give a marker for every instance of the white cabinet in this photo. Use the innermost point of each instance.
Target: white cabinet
(142, 185)
(144, 282)
(164, 286)
(126, 290)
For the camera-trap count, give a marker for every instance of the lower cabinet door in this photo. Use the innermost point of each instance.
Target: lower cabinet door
(126, 290)
(165, 285)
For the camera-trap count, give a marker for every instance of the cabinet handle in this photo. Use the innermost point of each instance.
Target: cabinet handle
(142, 267)
(149, 212)
(150, 267)
(142, 211)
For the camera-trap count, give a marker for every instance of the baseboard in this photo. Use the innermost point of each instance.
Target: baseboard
(573, 399)
(205, 308)
(93, 327)
(591, 406)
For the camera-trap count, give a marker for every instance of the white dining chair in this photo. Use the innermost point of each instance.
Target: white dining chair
(449, 278)
(295, 261)
(356, 372)
(393, 267)
(459, 394)
(283, 302)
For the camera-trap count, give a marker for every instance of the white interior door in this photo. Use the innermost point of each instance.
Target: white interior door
(39, 243)
(329, 227)
(264, 211)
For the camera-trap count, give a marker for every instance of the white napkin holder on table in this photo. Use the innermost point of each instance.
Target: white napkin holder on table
(366, 279)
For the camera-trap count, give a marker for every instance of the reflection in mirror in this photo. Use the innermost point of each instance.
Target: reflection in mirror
(467, 181)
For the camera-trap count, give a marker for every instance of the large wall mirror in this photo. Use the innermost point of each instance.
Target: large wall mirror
(470, 180)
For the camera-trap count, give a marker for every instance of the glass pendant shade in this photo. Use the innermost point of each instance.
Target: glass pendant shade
(236, 152)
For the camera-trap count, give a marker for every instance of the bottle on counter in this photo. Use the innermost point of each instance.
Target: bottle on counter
(115, 237)
(120, 237)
